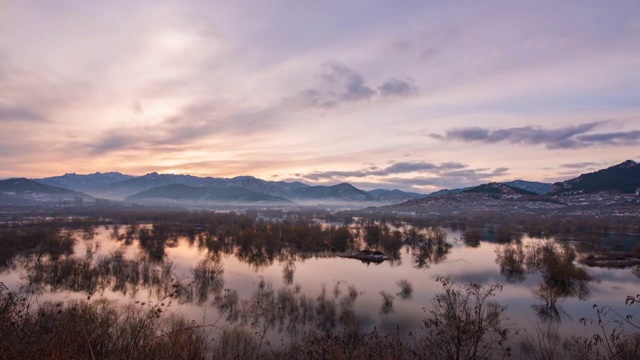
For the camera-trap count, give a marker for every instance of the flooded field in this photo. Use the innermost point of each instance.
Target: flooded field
(282, 294)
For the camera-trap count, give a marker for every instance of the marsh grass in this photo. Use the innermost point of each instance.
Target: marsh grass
(98, 329)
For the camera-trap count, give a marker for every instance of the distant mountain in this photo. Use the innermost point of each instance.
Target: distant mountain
(83, 183)
(274, 188)
(117, 186)
(498, 188)
(205, 194)
(33, 190)
(384, 195)
(122, 189)
(533, 186)
(621, 178)
(339, 192)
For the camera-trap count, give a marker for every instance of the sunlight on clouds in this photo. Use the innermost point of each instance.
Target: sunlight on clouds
(227, 89)
(172, 40)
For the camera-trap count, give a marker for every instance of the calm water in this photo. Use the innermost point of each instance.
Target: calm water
(338, 275)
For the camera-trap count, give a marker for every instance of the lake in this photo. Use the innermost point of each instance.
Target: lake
(341, 294)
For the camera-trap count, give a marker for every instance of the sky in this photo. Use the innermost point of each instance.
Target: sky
(416, 95)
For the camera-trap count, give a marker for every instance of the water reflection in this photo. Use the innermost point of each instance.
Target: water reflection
(207, 278)
(387, 303)
(510, 258)
(290, 310)
(144, 263)
(549, 311)
(561, 278)
(125, 276)
(288, 270)
(257, 258)
(430, 252)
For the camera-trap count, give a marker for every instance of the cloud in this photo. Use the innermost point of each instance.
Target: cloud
(114, 141)
(397, 87)
(613, 138)
(406, 167)
(408, 176)
(581, 165)
(190, 124)
(429, 53)
(352, 84)
(569, 137)
(342, 84)
(202, 81)
(12, 113)
(394, 169)
(315, 98)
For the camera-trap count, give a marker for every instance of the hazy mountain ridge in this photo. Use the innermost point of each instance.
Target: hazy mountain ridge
(395, 195)
(274, 188)
(126, 186)
(88, 182)
(121, 189)
(343, 192)
(205, 194)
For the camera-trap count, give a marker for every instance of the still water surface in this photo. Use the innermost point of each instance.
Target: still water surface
(372, 282)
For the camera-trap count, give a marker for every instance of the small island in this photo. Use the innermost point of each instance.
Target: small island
(368, 256)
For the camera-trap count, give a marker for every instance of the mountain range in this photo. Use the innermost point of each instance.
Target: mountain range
(137, 189)
(154, 188)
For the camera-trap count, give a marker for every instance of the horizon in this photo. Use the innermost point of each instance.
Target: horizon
(417, 96)
(303, 182)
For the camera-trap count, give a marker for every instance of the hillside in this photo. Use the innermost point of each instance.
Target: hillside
(12, 200)
(179, 192)
(340, 192)
(29, 190)
(25, 186)
(539, 188)
(498, 188)
(622, 178)
(609, 191)
(384, 195)
(275, 188)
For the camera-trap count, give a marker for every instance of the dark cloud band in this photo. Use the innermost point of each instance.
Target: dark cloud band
(569, 137)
